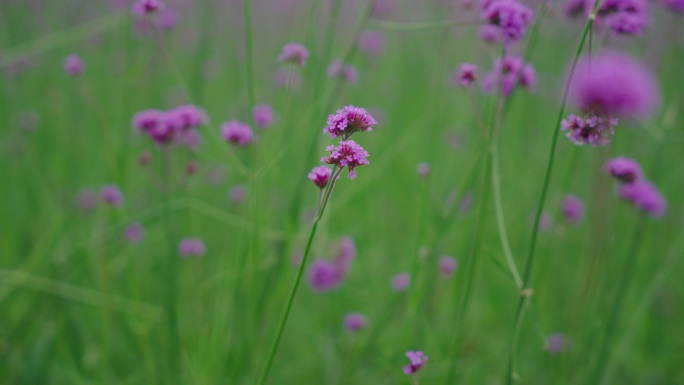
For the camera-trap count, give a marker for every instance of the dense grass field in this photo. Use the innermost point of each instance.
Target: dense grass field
(129, 256)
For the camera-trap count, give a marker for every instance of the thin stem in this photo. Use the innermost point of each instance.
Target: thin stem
(298, 278)
(545, 186)
(247, 8)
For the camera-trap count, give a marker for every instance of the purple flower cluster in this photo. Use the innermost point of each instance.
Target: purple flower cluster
(635, 188)
(372, 42)
(613, 84)
(134, 233)
(573, 209)
(594, 130)
(508, 73)
(676, 6)
(465, 75)
(339, 70)
(73, 65)
(510, 17)
(417, 361)
(111, 194)
(624, 17)
(347, 154)
(354, 322)
(349, 120)
(401, 282)
(326, 275)
(191, 247)
(237, 133)
(166, 126)
(294, 53)
(320, 176)
(262, 115)
(147, 7)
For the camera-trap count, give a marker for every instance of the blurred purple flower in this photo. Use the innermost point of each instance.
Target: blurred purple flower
(191, 247)
(344, 72)
(447, 265)
(166, 20)
(237, 133)
(510, 16)
(614, 85)
(134, 233)
(147, 7)
(573, 209)
(288, 78)
(645, 196)
(320, 176)
(74, 65)
(325, 275)
(555, 343)
(262, 115)
(417, 361)
(676, 6)
(423, 170)
(625, 170)
(593, 130)
(372, 42)
(465, 75)
(354, 322)
(112, 195)
(400, 282)
(294, 53)
(237, 194)
(508, 73)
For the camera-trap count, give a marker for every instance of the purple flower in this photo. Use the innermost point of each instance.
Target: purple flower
(382, 8)
(676, 6)
(166, 20)
(624, 17)
(342, 71)
(73, 65)
(555, 343)
(574, 8)
(625, 170)
(510, 16)
(237, 133)
(447, 265)
(320, 176)
(508, 73)
(400, 282)
(294, 53)
(573, 209)
(191, 247)
(346, 251)
(466, 75)
(489, 33)
(134, 233)
(237, 194)
(156, 124)
(186, 117)
(112, 195)
(147, 7)
(594, 130)
(645, 196)
(423, 170)
(349, 120)
(190, 139)
(325, 275)
(372, 42)
(263, 115)
(347, 154)
(353, 322)
(417, 361)
(613, 84)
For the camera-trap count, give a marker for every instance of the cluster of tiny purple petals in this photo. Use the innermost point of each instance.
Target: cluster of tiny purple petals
(347, 73)
(348, 120)
(347, 154)
(624, 17)
(372, 42)
(191, 247)
(593, 130)
(111, 194)
(147, 7)
(164, 126)
(134, 233)
(573, 209)
(320, 176)
(237, 133)
(417, 360)
(447, 265)
(294, 53)
(635, 188)
(326, 275)
(508, 73)
(73, 65)
(262, 115)
(555, 343)
(354, 322)
(676, 6)
(466, 75)
(614, 84)
(510, 16)
(400, 282)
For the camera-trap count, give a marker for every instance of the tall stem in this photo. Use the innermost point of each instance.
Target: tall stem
(298, 278)
(247, 8)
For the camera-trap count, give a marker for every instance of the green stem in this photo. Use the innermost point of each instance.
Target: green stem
(547, 178)
(247, 8)
(298, 278)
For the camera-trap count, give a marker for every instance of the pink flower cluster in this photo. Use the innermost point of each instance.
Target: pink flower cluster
(635, 188)
(294, 53)
(342, 71)
(593, 130)
(348, 154)
(417, 361)
(166, 126)
(509, 73)
(237, 133)
(326, 275)
(509, 17)
(349, 120)
(146, 7)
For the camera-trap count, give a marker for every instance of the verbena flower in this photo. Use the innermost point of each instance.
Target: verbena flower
(344, 72)
(401, 281)
(134, 233)
(320, 176)
(593, 130)
(447, 265)
(465, 75)
(325, 275)
(613, 84)
(237, 194)
(372, 42)
(74, 65)
(262, 115)
(625, 170)
(347, 154)
(354, 322)
(676, 6)
(509, 73)
(166, 126)
(294, 53)
(510, 16)
(573, 209)
(346, 251)
(147, 7)
(417, 361)
(645, 196)
(166, 20)
(112, 195)
(555, 343)
(237, 133)
(191, 247)
(349, 120)
(624, 17)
